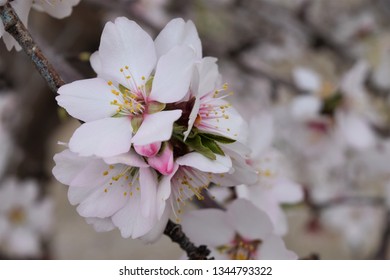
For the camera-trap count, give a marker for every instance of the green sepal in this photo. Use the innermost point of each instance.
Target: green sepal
(148, 85)
(212, 145)
(218, 138)
(155, 107)
(136, 123)
(331, 103)
(196, 144)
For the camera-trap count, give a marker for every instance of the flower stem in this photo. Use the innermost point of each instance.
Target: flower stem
(174, 231)
(14, 26)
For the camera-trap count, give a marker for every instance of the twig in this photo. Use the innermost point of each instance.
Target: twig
(174, 231)
(15, 27)
(381, 253)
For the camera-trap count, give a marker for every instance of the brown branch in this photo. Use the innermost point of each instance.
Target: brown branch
(175, 232)
(15, 27)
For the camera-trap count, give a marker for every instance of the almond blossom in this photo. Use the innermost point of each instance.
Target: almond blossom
(125, 192)
(211, 113)
(56, 8)
(242, 232)
(24, 219)
(273, 187)
(125, 103)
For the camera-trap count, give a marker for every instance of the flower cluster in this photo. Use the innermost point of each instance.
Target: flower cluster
(157, 130)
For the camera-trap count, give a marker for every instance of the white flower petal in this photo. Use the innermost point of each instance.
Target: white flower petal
(306, 79)
(125, 43)
(96, 63)
(305, 107)
(208, 76)
(176, 33)
(148, 183)
(261, 133)
(78, 194)
(101, 225)
(40, 216)
(208, 226)
(156, 127)
(221, 164)
(104, 201)
(173, 75)
(130, 159)
(130, 221)
(273, 248)
(87, 100)
(164, 191)
(73, 170)
(356, 130)
(23, 242)
(248, 220)
(57, 8)
(104, 138)
(286, 191)
(156, 232)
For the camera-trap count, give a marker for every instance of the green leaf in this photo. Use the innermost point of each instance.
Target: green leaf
(123, 89)
(212, 145)
(196, 144)
(218, 138)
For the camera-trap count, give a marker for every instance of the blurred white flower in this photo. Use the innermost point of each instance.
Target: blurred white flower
(273, 187)
(56, 8)
(24, 218)
(242, 232)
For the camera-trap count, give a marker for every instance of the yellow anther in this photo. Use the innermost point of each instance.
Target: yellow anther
(105, 173)
(109, 83)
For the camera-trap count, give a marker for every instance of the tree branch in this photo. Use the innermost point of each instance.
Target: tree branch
(15, 27)
(174, 231)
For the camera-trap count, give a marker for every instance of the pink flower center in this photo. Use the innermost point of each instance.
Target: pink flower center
(240, 248)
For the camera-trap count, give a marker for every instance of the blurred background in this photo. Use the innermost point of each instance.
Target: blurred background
(273, 54)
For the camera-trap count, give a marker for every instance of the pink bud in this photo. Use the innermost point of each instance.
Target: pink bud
(149, 150)
(163, 162)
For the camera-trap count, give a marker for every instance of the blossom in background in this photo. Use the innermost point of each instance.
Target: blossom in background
(125, 103)
(350, 108)
(242, 232)
(24, 218)
(273, 187)
(56, 8)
